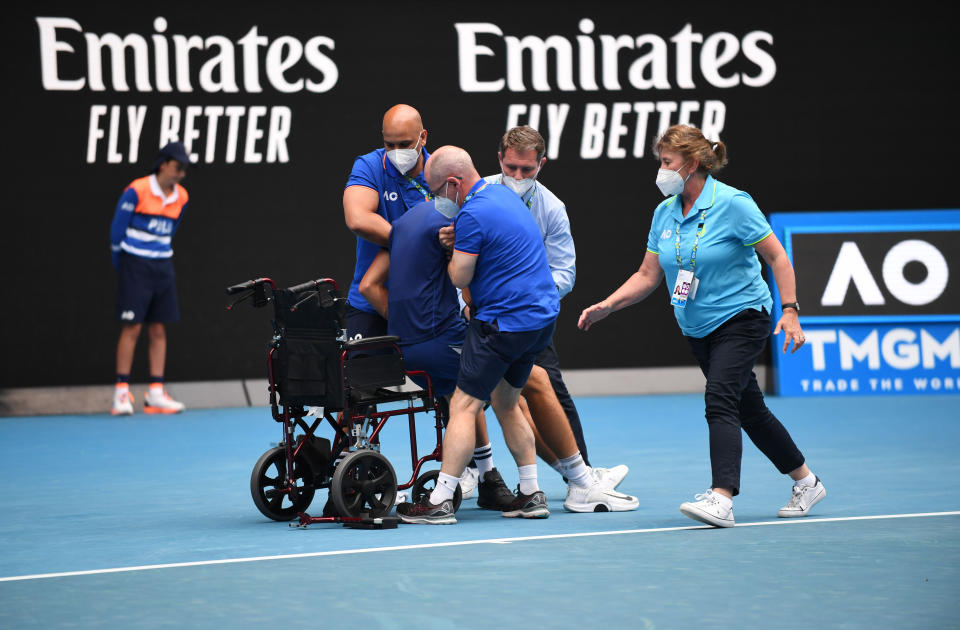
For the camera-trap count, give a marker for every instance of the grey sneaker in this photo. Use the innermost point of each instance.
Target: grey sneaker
(426, 513)
(527, 506)
(802, 499)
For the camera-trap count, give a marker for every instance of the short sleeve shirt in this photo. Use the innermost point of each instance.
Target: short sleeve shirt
(727, 265)
(397, 195)
(511, 285)
(422, 301)
(551, 216)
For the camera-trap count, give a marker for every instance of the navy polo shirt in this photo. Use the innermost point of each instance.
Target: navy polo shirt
(511, 285)
(397, 195)
(422, 300)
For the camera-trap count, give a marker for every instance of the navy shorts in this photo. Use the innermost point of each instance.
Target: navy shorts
(439, 357)
(489, 355)
(146, 290)
(361, 324)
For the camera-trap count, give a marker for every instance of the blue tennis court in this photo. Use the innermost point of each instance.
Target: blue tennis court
(148, 522)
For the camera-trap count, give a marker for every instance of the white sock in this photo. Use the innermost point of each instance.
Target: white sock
(483, 456)
(557, 466)
(528, 479)
(446, 486)
(809, 481)
(576, 471)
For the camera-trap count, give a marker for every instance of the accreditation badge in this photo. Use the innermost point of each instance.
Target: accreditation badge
(682, 290)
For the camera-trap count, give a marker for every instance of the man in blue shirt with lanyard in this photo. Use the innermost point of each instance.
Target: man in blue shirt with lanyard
(422, 308)
(383, 185)
(499, 253)
(554, 418)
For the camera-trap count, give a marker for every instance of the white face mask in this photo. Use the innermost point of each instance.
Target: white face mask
(404, 159)
(519, 186)
(669, 182)
(444, 206)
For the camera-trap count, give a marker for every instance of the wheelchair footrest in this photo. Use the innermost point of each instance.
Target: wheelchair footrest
(383, 522)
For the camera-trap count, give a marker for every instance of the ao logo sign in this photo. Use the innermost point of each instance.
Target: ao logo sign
(390, 196)
(850, 267)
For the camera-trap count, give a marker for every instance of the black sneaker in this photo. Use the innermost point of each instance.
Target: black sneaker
(426, 513)
(492, 493)
(527, 506)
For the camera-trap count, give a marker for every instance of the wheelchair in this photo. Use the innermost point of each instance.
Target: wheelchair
(314, 372)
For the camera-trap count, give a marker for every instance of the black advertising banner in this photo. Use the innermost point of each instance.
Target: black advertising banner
(823, 108)
(878, 273)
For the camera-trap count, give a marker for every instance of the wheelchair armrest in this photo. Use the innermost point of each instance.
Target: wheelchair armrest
(371, 341)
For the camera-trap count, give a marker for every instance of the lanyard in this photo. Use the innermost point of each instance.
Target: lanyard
(423, 191)
(470, 196)
(529, 201)
(696, 243)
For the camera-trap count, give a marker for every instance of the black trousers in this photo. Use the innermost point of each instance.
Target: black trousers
(549, 361)
(734, 400)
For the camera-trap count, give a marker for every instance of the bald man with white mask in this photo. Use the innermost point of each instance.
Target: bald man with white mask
(382, 186)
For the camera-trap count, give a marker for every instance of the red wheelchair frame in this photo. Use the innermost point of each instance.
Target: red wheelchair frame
(313, 371)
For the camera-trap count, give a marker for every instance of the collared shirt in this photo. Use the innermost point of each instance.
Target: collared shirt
(511, 284)
(551, 216)
(727, 265)
(146, 218)
(397, 195)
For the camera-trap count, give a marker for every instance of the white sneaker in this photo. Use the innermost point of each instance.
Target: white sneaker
(610, 478)
(402, 497)
(596, 498)
(708, 509)
(468, 481)
(122, 403)
(803, 498)
(159, 401)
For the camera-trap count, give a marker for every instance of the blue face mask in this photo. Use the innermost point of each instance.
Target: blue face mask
(444, 206)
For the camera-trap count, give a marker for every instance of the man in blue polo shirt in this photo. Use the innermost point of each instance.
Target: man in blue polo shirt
(499, 253)
(421, 305)
(422, 308)
(383, 185)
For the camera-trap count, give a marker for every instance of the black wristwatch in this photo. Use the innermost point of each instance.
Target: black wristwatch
(794, 305)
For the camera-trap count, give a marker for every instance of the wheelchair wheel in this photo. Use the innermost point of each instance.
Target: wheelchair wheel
(269, 477)
(425, 484)
(364, 483)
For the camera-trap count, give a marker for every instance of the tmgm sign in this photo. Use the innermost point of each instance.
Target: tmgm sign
(879, 300)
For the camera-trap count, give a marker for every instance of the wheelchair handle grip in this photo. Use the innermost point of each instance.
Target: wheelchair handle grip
(312, 284)
(249, 284)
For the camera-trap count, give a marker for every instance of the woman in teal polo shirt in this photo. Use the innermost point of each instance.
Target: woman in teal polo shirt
(704, 238)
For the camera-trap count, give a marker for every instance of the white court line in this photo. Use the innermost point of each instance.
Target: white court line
(343, 552)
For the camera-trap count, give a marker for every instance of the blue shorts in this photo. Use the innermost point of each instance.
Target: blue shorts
(362, 325)
(146, 290)
(489, 355)
(439, 357)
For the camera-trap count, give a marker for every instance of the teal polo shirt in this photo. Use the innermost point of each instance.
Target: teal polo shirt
(726, 263)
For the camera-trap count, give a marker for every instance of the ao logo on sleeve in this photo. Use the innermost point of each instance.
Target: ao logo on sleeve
(851, 268)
